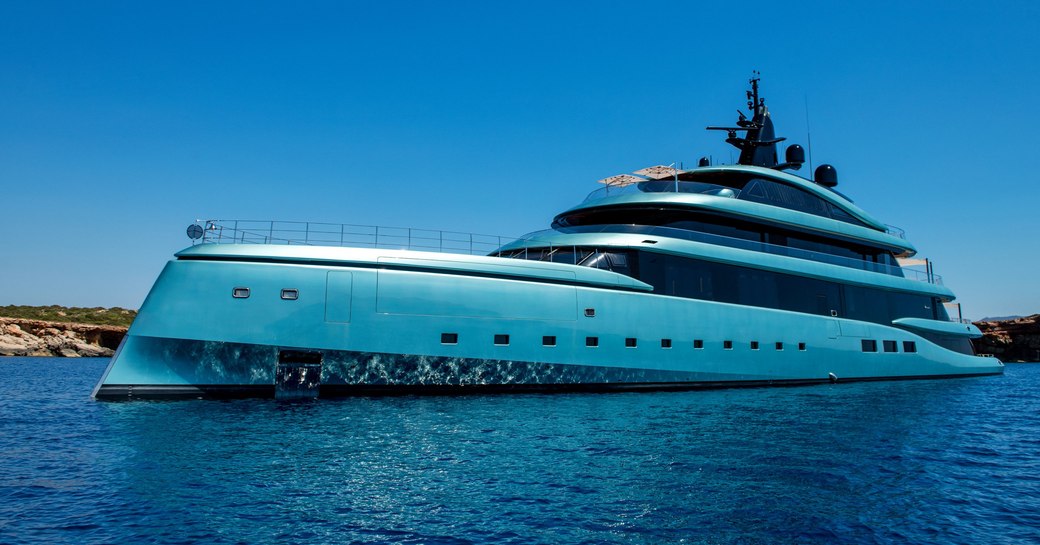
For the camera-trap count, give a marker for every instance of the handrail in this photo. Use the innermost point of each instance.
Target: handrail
(409, 238)
(532, 239)
(661, 186)
(895, 231)
(343, 234)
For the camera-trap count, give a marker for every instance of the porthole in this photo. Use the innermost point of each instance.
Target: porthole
(549, 340)
(630, 342)
(868, 345)
(909, 347)
(666, 343)
(754, 345)
(698, 343)
(890, 346)
(590, 312)
(801, 346)
(449, 338)
(728, 345)
(290, 294)
(240, 293)
(779, 345)
(501, 340)
(591, 342)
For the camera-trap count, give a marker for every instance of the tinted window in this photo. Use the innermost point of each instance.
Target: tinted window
(940, 310)
(841, 215)
(957, 344)
(865, 304)
(629, 219)
(807, 295)
(777, 194)
(908, 305)
(697, 279)
(882, 306)
(757, 288)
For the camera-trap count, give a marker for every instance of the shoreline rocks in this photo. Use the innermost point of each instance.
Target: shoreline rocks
(24, 337)
(1014, 340)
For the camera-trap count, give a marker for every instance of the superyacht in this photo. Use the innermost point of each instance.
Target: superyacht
(721, 275)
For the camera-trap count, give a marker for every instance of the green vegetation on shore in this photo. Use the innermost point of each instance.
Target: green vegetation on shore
(97, 316)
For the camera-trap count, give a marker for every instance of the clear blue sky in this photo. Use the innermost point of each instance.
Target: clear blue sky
(120, 123)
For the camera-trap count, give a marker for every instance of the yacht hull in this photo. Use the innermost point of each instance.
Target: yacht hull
(363, 324)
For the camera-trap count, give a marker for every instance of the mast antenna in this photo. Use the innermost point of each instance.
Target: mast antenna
(808, 131)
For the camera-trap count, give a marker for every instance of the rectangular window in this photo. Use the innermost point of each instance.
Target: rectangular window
(754, 345)
(868, 305)
(449, 338)
(630, 342)
(890, 346)
(666, 343)
(728, 345)
(591, 342)
(909, 347)
(801, 346)
(549, 340)
(290, 295)
(240, 293)
(590, 312)
(501, 340)
(698, 343)
(869, 345)
(779, 346)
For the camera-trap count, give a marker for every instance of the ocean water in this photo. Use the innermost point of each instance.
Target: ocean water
(936, 461)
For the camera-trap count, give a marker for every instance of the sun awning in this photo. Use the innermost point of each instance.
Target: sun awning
(621, 180)
(658, 172)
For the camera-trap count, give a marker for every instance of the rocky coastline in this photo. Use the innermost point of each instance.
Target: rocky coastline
(25, 337)
(1013, 340)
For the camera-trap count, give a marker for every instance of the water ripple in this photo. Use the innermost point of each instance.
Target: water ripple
(945, 461)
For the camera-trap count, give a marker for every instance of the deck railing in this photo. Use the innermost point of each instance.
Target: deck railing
(409, 238)
(534, 240)
(343, 234)
(895, 231)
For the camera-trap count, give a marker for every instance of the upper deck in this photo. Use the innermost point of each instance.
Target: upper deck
(749, 194)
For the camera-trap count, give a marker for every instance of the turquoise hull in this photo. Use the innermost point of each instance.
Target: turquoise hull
(376, 320)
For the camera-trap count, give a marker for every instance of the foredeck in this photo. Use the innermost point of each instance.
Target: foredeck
(344, 235)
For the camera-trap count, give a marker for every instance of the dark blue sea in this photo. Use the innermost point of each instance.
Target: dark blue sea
(935, 461)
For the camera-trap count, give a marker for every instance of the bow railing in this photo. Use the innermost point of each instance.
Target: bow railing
(342, 234)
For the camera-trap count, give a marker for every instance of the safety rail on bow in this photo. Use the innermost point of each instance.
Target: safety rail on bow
(341, 234)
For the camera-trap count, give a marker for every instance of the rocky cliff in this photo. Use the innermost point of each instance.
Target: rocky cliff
(24, 337)
(1016, 339)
